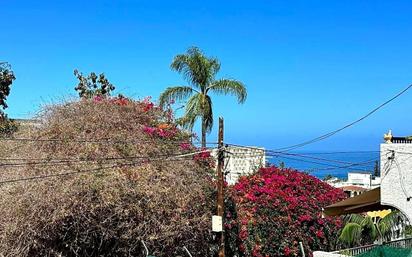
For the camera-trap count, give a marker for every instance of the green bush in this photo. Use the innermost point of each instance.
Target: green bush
(7, 127)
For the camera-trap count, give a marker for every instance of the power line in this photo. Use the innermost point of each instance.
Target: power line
(329, 134)
(273, 153)
(68, 162)
(332, 166)
(306, 153)
(329, 166)
(180, 157)
(101, 140)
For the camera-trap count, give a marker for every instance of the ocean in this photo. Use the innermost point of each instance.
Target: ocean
(322, 164)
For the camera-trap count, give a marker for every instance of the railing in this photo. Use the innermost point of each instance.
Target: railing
(400, 243)
(401, 140)
(356, 250)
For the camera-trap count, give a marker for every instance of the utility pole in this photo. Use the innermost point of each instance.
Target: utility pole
(220, 188)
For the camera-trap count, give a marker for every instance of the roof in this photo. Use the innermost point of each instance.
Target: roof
(353, 188)
(368, 201)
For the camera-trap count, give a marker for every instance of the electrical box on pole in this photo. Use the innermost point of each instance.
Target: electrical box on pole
(217, 225)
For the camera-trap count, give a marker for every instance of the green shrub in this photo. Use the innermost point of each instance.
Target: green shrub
(7, 127)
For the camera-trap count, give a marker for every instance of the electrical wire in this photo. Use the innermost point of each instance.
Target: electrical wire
(329, 134)
(272, 153)
(170, 158)
(56, 162)
(101, 140)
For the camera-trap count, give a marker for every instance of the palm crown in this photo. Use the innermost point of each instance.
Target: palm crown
(362, 227)
(200, 72)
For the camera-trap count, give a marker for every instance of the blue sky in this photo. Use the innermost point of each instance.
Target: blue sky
(309, 66)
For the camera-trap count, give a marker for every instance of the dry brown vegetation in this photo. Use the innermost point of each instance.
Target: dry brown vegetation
(128, 186)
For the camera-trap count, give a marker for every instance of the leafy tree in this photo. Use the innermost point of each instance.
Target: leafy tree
(363, 229)
(200, 72)
(6, 79)
(93, 85)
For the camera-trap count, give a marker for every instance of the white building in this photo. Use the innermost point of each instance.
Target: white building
(240, 161)
(357, 183)
(395, 187)
(396, 172)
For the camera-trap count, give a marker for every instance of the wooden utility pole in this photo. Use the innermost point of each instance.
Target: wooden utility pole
(220, 188)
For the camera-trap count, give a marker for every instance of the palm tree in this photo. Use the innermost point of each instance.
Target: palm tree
(200, 71)
(363, 229)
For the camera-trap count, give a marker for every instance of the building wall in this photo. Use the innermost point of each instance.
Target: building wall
(240, 161)
(361, 179)
(396, 176)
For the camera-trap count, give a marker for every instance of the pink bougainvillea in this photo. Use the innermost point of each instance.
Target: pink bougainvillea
(205, 157)
(162, 131)
(275, 209)
(185, 146)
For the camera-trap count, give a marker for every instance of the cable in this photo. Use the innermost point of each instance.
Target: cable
(401, 180)
(309, 153)
(102, 140)
(47, 162)
(329, 134)
(94, 170)
(278, 154)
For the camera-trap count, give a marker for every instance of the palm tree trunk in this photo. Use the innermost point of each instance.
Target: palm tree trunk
(203, 132)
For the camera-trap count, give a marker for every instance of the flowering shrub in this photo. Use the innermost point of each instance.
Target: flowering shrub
(127, 190)
(205, 158)
(275, 209)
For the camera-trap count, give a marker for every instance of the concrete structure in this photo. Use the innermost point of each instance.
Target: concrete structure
(240, 161)
(357, 183)
(396, 173)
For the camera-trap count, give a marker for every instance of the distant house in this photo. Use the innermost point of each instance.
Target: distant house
(357, 183)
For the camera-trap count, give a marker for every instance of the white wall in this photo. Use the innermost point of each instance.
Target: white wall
(326, 254)
(240, 161)
(361, 179)
(396, 176)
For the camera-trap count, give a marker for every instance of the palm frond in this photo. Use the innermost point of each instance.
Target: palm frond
(355, 218)
(196, 68)
(231, 87)
(193, 111)
(175, 93)
(351, 233)
(387, 223)
(187, 122)
(370, 225)
(208, 114)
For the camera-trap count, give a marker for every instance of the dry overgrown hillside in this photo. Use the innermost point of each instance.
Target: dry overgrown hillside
(125, 183)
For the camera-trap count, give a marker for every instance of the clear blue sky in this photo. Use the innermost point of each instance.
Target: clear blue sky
(309, 66)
